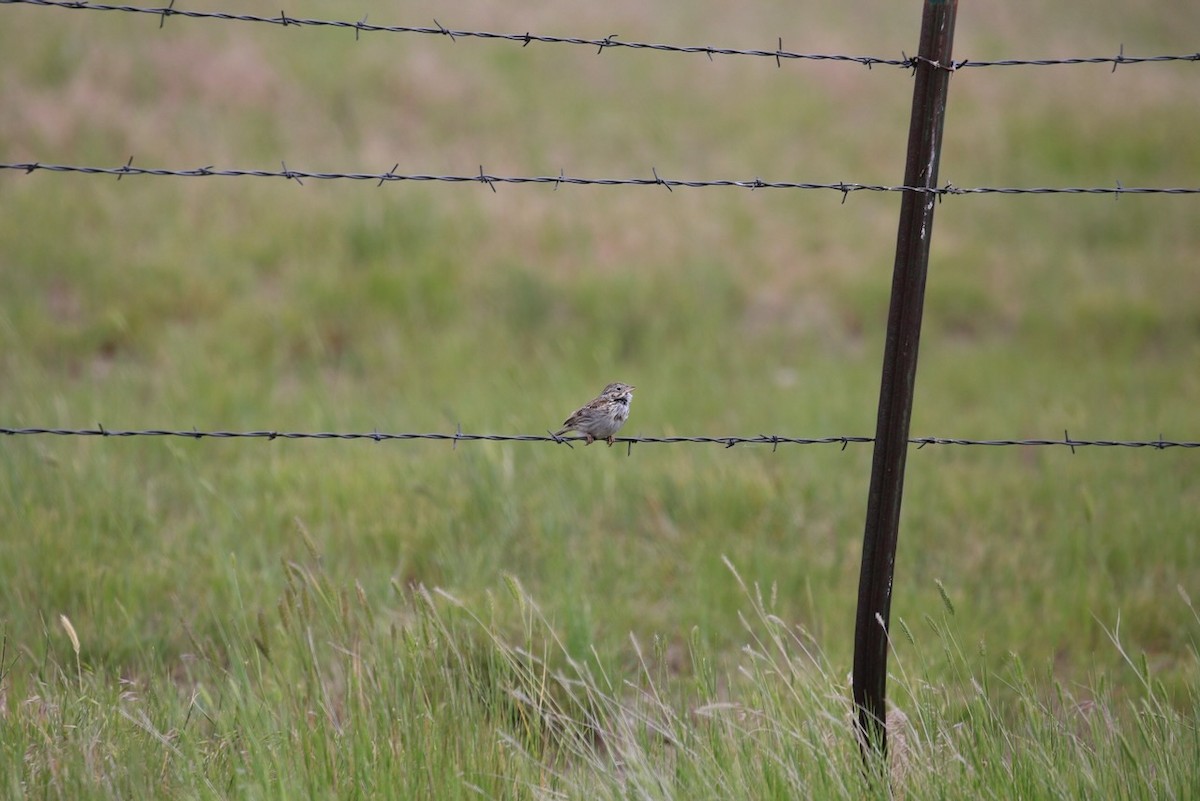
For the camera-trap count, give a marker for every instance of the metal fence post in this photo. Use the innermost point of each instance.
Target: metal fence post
(932, 78)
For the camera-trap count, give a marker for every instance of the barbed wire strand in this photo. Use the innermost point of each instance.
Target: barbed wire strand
(482, 177)
(459, 436)
(608, 42)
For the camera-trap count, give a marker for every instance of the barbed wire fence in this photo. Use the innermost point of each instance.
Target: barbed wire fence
(773, 440)
(482, 177)
(932, 65)
(611, 41)
(670, 184)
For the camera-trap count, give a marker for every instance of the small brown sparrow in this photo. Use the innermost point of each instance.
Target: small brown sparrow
(603, 417)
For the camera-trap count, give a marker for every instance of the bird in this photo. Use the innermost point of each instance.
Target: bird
(604, 416)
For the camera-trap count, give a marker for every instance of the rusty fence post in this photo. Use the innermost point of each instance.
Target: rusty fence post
(932, 78)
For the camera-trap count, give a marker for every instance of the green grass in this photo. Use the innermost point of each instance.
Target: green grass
(332, 693)
(324, 618)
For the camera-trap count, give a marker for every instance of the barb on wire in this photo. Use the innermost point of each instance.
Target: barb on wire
(843, 188)
(459, 435)
(608, 42)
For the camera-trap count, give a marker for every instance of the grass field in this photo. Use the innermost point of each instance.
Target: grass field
(231, 618)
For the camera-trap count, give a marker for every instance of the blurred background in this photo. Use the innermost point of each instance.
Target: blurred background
(241, 304)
